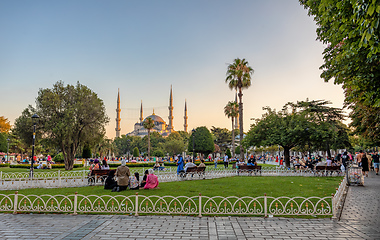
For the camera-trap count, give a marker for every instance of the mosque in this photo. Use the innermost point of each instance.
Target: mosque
(160, 125)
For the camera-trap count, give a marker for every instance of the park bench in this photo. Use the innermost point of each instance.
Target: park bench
(248, 169)
(325, 170)
(200, 171)
(96, 175)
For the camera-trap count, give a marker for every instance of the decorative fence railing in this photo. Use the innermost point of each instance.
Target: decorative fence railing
(56, 179)
(196, 205)
(339, 198)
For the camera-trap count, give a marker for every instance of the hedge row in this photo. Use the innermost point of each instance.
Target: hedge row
(52, 166)
(4, 165)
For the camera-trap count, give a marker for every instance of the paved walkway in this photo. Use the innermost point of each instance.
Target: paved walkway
(360, 220)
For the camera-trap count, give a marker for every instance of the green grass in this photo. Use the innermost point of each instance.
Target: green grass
(232, 186)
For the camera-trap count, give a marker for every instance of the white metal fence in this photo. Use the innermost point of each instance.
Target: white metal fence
(195, 205)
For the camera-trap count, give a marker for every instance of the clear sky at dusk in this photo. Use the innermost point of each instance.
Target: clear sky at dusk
(143, 47)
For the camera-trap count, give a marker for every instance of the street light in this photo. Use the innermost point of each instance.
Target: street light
(193, 131)
(34, 118)
(8, 150)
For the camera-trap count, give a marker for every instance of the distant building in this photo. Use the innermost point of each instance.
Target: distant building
(160, 125)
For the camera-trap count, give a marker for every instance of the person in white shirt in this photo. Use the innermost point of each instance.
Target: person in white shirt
(225, 161)
(189, 164)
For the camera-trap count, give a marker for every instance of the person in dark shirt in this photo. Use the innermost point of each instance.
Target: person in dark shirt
(375, 158)
(110, 182)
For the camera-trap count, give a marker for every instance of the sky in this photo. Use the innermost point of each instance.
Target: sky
(144, 47)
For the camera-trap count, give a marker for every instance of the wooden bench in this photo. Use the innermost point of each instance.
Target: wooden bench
(195, 170)
(249, 169)
(327, 169)
(97, 174)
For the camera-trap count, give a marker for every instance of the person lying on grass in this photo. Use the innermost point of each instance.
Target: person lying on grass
(151, 180)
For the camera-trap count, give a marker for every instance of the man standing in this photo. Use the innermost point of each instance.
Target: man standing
(375, 158)
(225, 161)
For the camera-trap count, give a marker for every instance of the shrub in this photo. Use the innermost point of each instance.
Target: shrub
(4, 165)
(158, 153)
(58, 158)
(136, 152)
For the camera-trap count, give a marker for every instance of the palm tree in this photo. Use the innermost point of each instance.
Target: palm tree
(231, 110)
(238, 78)
(148, 124)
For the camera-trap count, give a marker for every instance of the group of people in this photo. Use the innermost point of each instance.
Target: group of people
(121, 179)
(182, 167)
(96, 165)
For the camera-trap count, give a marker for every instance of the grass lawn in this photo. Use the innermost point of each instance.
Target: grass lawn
(233, 186)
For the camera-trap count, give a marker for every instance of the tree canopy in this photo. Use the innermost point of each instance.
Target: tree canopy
(69, 116)
(203, 141)
(5, 125)
(351, 31)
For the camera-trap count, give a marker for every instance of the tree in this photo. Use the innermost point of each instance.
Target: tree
(351, 32)
(203, 141)
(228, 153)
(158, 153)
(3, 142)
(5, 125)
(238, 78)
(173, 146)
(148, 124)
(222, 137)
(284, 128)
(69, 116)
(136, 152)
(86, 151)
(231, 110)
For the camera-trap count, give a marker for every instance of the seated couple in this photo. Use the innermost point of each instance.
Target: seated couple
(124, 180)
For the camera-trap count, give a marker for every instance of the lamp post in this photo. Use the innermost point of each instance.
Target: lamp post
(34, 118)
(128, 141)
(193, 131)
(8, 150)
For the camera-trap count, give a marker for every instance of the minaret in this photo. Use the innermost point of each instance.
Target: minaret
(185, 117)
(118, 119)
(237, 117)
(141, 113)
(170, 128)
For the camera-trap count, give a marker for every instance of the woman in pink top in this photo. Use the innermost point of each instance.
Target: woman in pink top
(151, 180)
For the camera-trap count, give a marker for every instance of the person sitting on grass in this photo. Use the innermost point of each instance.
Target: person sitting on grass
(122, 174)
(151, 180)
(134, 181)
(143, 182)
(202, 164)
(189, 164)
(110, 182)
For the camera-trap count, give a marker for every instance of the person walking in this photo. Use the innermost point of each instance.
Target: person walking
(179, 164)
(375, 158)
(216, 162)
(363, 160)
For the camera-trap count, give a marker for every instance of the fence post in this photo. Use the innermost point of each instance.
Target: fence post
(333, 206)
(15, 203)
(265, 205)
(1, 175)
(200, 205)
(59, 178)
(75, 203)
(137, 204)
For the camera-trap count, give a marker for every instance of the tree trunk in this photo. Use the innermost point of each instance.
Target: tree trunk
(328, 150)
(68, 157)
(149, 144)
(233, 138)
(241, 123)
(287, 156)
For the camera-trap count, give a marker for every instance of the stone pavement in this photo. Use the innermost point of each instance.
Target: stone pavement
(360, 220)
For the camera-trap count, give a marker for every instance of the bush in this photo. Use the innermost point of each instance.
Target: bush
(4, 165)
(228, 153)
(158, 153)
(58, 158)
(136, 152)
(52, 166)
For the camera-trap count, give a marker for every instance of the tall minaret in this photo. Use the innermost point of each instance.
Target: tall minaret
(118, 119)
(185, 117)
(237, 117)
(141, 113)
(170, 128)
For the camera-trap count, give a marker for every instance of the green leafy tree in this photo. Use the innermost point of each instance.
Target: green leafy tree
(284, 128)
(69, 116)
(231, 110)
(173, 146)
(3, 142)
(222, 137)
(86, 151)
(228, 153)
(158, 153)
(204, 143)
(5, 125)
(148, 124)
(351, 32)
(136, 152)
(238, 78)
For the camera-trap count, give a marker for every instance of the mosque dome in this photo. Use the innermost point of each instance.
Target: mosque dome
(157, 119)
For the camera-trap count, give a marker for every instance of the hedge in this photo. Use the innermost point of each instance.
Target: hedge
(4, 165)
(52, 166)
